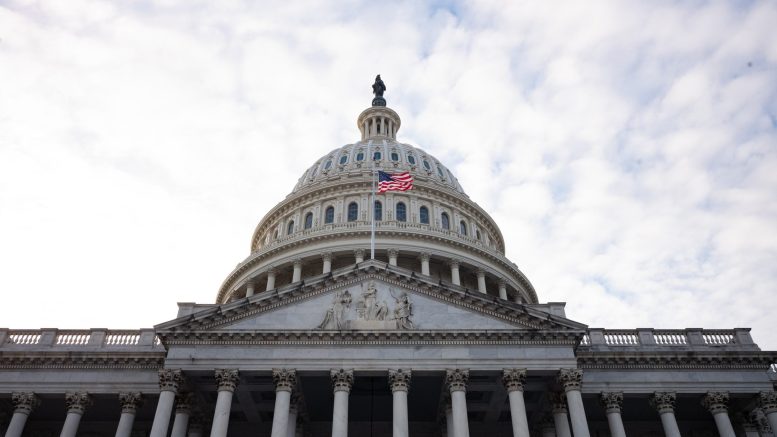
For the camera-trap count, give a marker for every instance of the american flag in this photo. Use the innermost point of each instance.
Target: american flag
(394, 182)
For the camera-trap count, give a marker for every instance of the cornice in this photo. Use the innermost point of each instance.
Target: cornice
(72, 360)
(676, 360)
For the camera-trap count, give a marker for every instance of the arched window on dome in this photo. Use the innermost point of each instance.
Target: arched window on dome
(463, 228)
(440, 173)
(401, 212)
(290, 228)
(378, 211)
(328, 165)
(329, 214)
(376, 156)
(411, 159)
(427, 165)
(343, 159)
(353, 212)
(477, 234)
(423, 215)
(308, 220)
(360, 156)
(394, 156)
(275, 235)
(445, 220)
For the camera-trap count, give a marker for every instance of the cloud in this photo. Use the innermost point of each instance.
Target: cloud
(632, 144)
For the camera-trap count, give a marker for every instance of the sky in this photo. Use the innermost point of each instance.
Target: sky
(628, 150)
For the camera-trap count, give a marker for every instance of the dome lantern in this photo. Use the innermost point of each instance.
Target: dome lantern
(378, 121)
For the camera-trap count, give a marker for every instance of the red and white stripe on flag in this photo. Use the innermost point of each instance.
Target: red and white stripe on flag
(394, 182)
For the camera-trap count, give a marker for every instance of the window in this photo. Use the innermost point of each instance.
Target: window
(360, 156)
(463, 228)
(411, 159)
(290, 228)
(353, 212)
(376, 156)
(329, 215)
(308, 220)
(275, 235)
(328, 165)
(394, 156)
(439, 172)
(477, 234)
(423, 214)
(313, 172)
(401, 212)
(446, 221)
(427, 165)
(343, 159)
(378, 211)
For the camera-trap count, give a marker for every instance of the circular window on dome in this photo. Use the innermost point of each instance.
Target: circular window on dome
(343, 159)
(360, 156)
(394, 156)
(427, 165)
(411, 159)
(328, 165)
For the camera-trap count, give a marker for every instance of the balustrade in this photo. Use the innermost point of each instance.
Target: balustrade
(688, 338)
(80, 338)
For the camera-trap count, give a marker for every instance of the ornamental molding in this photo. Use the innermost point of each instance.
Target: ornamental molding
(456, 379)
(24, 402)
(668, 359)
(399, 380)
(77, 402)
(183, 402)
(611, 401)
(284, 379)
(76, 360)
(558, 402)
(170, 379)
(570, 379)
(342, 380)
(227, 379)
(767, 401)
(130, 401)
(514, 379)
(716, 402)
(663, 402)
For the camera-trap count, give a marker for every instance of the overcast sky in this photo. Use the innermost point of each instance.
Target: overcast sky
(628, 150)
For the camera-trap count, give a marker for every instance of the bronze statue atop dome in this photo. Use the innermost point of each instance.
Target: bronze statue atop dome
(378, 88)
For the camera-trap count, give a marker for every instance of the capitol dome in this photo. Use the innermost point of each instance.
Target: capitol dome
(325, 223)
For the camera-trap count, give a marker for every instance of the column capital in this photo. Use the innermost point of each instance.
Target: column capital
(611, 400)
(547, 423)
(454, 263)
(480, 273)
(77, 402)
(558, 402)
(456, 379)
(170, 379)
(130, 401)
(425, 256)
(326, 256)
(183, 402)
(513, 379)
(342, 379)
(664, 401)
(399, 379)
(767, 401)
(271, 270)
(24, 401)
(297, 262)
(757, 418)
(715, 402)
(284, 379)
(227, 379)
(570, 379)
(393, 252)
(359, 253)
(501, 282)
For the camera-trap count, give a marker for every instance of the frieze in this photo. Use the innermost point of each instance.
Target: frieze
(670, 360)
(73, 361)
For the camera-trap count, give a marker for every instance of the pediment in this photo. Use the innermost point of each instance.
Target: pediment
(373, 297)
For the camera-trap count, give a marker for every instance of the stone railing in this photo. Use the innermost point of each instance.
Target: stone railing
(649, 338)
(78, 338)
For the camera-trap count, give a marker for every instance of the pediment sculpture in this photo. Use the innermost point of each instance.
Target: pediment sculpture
(371, 311)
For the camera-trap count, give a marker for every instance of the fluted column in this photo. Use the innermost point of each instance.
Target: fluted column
(327, 259)
(502, 289)
(392, 256)
(285, 380)
(169, 381)
(399, 381)
(183, 409)
(482, 281)
(456, 380)
(129, 407)
(558, 401)
(663, 402)
(249, 289)
(359, 255)
(297, 273)
(76, 405)
(572, 381)
(513, 380)
(767, 401)
(342, 381)
(23, 404)
(455, 278)
(227, 383)
(425, 263)
(612, 402)
(716, 402)
(270, 279)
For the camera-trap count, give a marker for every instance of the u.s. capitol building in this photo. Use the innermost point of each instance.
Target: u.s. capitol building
(438, 335)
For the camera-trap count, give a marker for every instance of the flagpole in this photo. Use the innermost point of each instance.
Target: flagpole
(372, 238)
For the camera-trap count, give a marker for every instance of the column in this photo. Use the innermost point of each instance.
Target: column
(482, 281)
(517, 298)
(129, 406)
(425, 263)
(572, 380)
(502, 289)
(291, 427)
(455, 279)
(297, 275)
(183, 409)
(227, 382)
(169, 381)
(560, 419)
(392, 255)
(270, 279)
(285, 380)
(359, 254)
(195, 425)
(76, 405)
(399, 381)
(716, 402)
(663, 402)
(456, 380)
(513, 380)
(612, 402)
(449, 432)
(23, 404)
(547, 428)
(342, 381)
(767, 400)
(327, 258)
